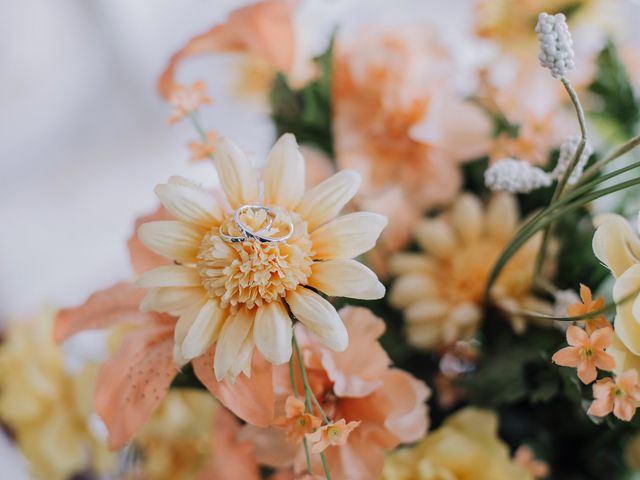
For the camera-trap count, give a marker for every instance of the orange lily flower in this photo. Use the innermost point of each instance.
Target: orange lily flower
(331, 435)
(620, 397)
(296, 421)
(586, 306)
(586, 352)
(187, 99)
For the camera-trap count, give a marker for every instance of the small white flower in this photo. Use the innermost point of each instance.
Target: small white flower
(568, 150)
(515, 176)
(556, 45)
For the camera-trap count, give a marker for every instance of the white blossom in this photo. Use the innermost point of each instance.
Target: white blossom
(515, 176)
(568, 150)
(556, 45)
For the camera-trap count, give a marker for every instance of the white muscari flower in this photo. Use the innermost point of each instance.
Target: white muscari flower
(556, 45)
(515, 176)
(568, 150)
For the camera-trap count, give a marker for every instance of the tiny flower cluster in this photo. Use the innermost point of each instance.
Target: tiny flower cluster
(515, 176)
(556, 45)
(568, 150)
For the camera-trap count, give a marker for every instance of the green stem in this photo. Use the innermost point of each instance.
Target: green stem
(294, 387)
(567, 174)
(593, 170)
(308, 396)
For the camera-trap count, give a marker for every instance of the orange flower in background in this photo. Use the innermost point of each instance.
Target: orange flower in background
(397, 119)
(620, 396)
(589, 305)
(333, 434)
(356, 385)
(187, 99)
(202, 151)
(229, 287)
(296, 421)
(525, 457)
(586, 352)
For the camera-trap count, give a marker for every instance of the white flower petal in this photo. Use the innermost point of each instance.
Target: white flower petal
(348, 236)
(627, 321)
(410, 288)
(243, 360)
(170, 276)
(172, 300)
(232, 336)
(325, 201)
(346, 278)
(436, 237)
(272, 332)
(502, 216)
(409, 262)
(284, 174)
(467, 217)
(319, 316)
(203, 330)
(189, 202)
(172, 239)
(238, 178)
(615, 244)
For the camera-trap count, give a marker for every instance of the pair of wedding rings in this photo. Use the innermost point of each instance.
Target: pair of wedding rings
(260, 235)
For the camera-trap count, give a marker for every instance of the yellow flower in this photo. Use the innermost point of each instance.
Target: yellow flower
(465, 447)
(230, 287)
(618, 247)
(176, 443)
(440, 290)
(48, 410)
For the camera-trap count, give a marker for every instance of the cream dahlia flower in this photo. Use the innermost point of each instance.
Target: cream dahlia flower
(230, 287)
(440, 290)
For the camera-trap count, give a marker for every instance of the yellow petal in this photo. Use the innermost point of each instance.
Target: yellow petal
(426, 311)
(182, 327)
(170, 276)
(436, 237)
(615, 244)
(627, 322)
(203, 330)
(407, 262)
(319, 316)
(325, 201)
(502, 216)
(173, 300)
(467, 217)
(348, 236)
(345, 278)
(237, 176)
(272, 332)
(410, 288)
(172, 239)
(230, 341)
(189, 202)
(284, 174)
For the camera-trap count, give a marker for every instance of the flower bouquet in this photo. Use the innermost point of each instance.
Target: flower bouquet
(431, 275)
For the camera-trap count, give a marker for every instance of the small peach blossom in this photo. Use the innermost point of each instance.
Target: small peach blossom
(296, 421)
(203, 150)
(620, 397)
(525, 457)
(586, 352)
(589, 305)
(187, 99)
(333, 434)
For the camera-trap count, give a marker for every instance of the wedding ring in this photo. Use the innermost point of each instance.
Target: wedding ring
(260, 235)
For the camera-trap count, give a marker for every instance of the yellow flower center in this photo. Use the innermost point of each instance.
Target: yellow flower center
(619, 392)
(251, 273)
(301, 422)
(586, 353)
(333, 433)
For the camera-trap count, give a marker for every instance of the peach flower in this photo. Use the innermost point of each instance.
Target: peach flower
(133, 381)
(586, 352)
(525, 457)
(232, 294)
(589, 305)
(187, 99)
(333, 434)
(296, 421)
(397, 119)
(440, 290)
(620, 396)
(263, 33)
(356, 385)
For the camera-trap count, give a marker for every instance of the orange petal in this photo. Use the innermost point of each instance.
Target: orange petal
(143, 259)
(601, 338)
(264, 30)
(567, 357)
(624, 409)
(576, 336)
(133, 382)
(104, 309)
(601, 407)
(251, 399)
(587, 372)
(585, 294)
(293, 407)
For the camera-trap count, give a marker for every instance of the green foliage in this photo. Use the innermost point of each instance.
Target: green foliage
(613, 89)
(306, 112)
